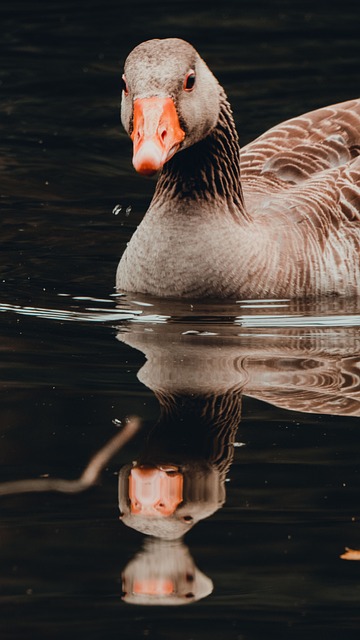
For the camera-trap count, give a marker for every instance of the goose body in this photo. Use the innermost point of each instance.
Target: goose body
(289, 227)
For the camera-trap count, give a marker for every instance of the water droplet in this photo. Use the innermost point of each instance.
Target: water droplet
(117, 209)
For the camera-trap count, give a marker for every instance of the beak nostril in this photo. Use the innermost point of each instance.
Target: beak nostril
(163, 135)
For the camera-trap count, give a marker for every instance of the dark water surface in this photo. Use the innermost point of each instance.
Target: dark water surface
(250, 411)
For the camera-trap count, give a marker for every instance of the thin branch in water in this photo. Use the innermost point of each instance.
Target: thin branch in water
(90, 474)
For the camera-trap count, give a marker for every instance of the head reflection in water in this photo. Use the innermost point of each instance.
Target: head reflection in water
(164, 573)
(178, 479)
(164, 501)
(167, 507)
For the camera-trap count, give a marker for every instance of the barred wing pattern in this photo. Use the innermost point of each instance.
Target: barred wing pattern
(301, 180)
(297, 149)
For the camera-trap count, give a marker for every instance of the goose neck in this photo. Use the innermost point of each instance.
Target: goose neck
(208, 171)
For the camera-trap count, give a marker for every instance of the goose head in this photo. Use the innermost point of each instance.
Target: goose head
(170, 101)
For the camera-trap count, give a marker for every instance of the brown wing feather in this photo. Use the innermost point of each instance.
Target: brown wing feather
(328, 199)
(297, 149)
(301, 181)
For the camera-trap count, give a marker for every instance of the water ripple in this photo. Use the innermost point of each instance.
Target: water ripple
(167, 311)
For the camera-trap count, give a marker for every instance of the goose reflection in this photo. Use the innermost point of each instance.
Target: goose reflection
(199, 369)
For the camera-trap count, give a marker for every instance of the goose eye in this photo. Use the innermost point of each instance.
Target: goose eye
(124, 86)
(189, 81)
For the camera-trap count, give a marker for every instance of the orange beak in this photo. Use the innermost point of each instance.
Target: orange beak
(156, 135)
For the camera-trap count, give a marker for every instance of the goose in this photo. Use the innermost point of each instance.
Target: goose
(281, 219)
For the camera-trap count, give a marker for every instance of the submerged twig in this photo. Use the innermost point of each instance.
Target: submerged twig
(90, 474)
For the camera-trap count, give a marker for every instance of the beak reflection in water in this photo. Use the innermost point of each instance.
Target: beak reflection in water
(155, 490)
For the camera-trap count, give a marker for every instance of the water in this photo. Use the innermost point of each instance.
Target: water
(250, 409)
